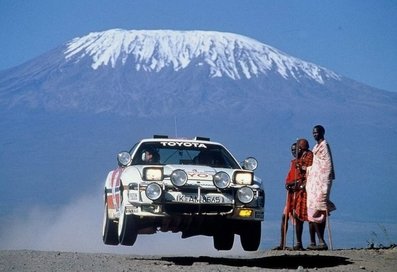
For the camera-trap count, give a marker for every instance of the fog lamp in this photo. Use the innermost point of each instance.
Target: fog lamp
(245, 213)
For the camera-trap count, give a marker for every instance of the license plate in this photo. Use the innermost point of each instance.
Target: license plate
(194, 198)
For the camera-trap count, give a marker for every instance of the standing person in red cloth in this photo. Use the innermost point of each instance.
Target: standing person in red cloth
(295, 207)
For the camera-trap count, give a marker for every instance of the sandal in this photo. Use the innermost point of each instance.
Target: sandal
(312, 246)
(322, 247)
(298, 246)
(278, 248)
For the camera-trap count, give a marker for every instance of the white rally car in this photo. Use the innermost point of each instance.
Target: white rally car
(191, 186)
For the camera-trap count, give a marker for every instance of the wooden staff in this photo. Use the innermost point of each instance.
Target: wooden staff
(329, 231)
(285, 214)
(294, 199)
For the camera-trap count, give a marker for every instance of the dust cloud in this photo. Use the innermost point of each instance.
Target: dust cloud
(77, 227)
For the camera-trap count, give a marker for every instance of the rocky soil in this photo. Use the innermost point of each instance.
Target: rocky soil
(336, 260)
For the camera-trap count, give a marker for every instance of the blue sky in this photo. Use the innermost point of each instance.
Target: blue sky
(357, 39)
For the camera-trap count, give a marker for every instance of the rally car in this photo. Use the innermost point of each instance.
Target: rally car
(193, 186)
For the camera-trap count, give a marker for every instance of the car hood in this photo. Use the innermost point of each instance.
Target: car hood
(198, 169)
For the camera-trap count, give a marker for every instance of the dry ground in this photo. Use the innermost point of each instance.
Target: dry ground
(336, 260)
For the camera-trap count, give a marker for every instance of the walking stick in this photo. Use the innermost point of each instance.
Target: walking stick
(286, 213)
(294, 198)
(293, 222)
(329, 231)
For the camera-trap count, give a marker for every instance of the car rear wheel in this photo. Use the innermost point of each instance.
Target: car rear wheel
(250, 236)
(109, 229)
(127, 230)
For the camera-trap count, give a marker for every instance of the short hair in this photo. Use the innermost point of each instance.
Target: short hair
(320, 128)
(303, 143)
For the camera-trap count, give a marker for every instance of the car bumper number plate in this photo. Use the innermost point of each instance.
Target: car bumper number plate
(195, 198)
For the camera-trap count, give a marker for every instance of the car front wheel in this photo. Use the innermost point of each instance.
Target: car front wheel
(250, 236)
(109, 229)
(127, 230)
(223, 241)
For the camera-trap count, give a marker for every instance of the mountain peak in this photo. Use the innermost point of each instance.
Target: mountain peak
(226, 54)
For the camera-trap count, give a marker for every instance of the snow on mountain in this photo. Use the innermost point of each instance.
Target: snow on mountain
(226, 54)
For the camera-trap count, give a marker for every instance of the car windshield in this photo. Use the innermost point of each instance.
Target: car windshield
(171, 152)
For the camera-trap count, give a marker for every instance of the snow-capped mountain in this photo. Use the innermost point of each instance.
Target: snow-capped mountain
(225, 54)
(131, 72)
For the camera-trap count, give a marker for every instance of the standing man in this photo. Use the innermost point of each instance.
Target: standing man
(295, 206)
(318, 187)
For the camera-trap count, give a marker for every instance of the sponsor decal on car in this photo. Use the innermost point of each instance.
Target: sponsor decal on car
(184, 144)
(114, 196)
(199, 176)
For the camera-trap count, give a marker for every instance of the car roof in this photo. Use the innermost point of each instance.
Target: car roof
(177, 139)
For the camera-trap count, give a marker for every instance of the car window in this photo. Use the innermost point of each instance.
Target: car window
(190, 154)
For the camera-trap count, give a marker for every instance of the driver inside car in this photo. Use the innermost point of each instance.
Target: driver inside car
(150, 156)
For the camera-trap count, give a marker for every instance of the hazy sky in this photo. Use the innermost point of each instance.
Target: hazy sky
(357, 39)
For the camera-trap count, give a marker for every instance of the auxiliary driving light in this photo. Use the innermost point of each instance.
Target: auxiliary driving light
(124, 158)
(250, 163)
(153, 191)
(245, 195)
(178, 177)
(221, 180)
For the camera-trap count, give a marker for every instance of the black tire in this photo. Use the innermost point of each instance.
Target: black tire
(250, 236)
(109, 229)
(223, 240)
(127, 231)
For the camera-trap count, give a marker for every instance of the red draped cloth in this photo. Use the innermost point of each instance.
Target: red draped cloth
(296, 177)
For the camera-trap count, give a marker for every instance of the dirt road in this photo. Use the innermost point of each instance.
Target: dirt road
(337, 260)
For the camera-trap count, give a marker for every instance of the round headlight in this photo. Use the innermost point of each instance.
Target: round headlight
(124, 158)
(221, 180)
(245, 195)
(250, 164)
(153, 191)
(178, 178)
